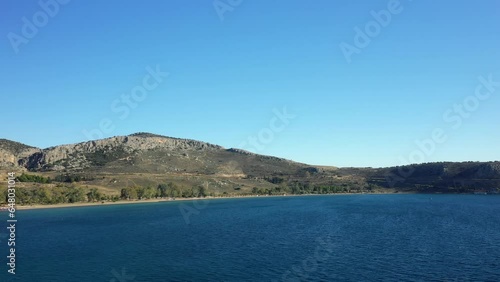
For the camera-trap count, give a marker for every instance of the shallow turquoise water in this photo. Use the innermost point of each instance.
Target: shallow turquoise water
(310, 238)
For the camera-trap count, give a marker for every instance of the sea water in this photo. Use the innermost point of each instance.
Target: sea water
(295, 238)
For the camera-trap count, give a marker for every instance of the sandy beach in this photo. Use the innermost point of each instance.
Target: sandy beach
(126, 202)
(122, 202)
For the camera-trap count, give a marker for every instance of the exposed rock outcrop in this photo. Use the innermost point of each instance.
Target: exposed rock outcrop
(86, 154)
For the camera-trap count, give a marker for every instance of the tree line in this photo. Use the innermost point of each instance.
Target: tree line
(298, 188)
(66, 178)
(168, 190)
(64, 193)
(57, 195)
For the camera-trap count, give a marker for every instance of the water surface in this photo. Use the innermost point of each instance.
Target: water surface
(309, 238)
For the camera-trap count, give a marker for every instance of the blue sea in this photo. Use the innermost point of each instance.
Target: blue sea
(299, 238)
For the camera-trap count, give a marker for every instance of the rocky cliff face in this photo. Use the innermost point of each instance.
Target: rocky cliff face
(11, 152)
(87, 154)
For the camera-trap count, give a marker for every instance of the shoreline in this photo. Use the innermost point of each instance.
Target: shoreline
(170, 200)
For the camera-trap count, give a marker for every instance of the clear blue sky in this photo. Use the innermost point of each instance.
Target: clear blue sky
(226, 76)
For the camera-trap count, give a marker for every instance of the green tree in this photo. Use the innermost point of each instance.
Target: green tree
(140, 193)
(128, 193)
(202, 192)
(163, 190)
(149, 193)
(174, 190)
(186, 193)
(93, 195)
(75, 195)
(43, 195)
(124, 194)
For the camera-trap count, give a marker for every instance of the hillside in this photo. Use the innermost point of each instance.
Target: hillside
(148, 153)
(11, 152)
(143, 160)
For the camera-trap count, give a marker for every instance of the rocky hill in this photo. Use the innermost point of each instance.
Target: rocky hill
(148, 159)
(143, 152)
(11, 152)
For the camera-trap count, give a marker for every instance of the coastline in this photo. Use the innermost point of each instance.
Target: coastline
(121, 202)
(127, 202)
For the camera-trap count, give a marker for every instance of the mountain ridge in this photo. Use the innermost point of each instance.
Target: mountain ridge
(77, 155)
(147, 159)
